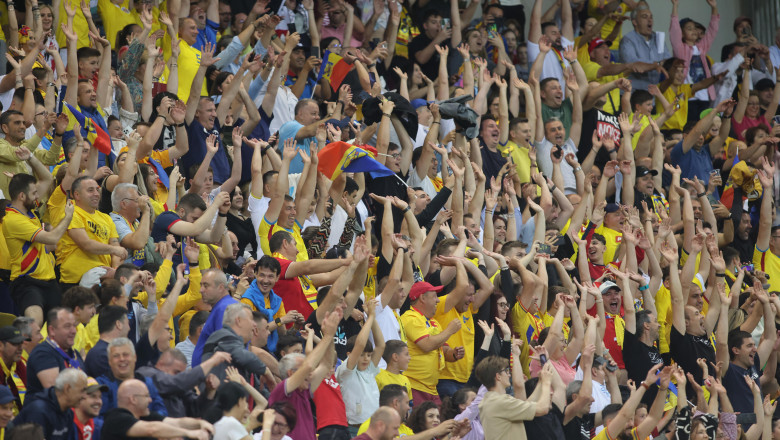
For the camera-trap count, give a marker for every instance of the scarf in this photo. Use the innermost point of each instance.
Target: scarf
(254, 294)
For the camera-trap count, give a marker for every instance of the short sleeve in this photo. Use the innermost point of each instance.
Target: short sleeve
(415, 329)
(21, 229)
(343, 372)
(677, 152)
(591, 70)
(42, 360)
(289, 130)
(112, 232)
(117, 423)
(78, 221)
(122, 228)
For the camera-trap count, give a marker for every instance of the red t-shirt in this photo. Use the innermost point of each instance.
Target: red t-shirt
(291, 292)
(84, 432)
(330, 404)
(611, 336)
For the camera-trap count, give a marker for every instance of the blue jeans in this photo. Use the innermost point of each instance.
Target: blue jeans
(448, 387)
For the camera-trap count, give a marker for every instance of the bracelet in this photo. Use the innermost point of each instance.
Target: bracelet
(573, 61)
(386, 114)
(612, 151)
(195, 264)
(553, 188)
(645, 385)
(50, 84)
(407, 209)
(222, 215)
(58, 134)
(505, 268)
(174, 65)
(179, 125)
(264, 149)
(435, 122)
(510, 215)
(700, 195)
(278, 322)
(720, 275)
(487, 211)
(643, 288)
(578, 169)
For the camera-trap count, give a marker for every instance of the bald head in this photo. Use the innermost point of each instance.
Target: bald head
(133, 396)
(384, 423)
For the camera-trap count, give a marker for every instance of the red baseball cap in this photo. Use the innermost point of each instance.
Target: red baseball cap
(422, 287)
(596, 42)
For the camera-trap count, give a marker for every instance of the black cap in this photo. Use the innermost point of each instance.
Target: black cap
(643, 171)
(11, 334)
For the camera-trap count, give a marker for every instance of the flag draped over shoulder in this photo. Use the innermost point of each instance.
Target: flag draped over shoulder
(338, 157)
(95, 135)
(334, 69)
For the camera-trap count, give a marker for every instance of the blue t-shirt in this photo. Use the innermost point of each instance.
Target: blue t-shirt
(161, 229)
(197, 152)
(213, 323)
(693, 163)
(44, 357)
(207, 34)
(288, 130)
(737, 389)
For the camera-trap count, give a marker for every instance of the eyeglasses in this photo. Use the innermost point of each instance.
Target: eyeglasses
(508, 370)
(503, 305)
(131, 199)
(43, 113)
(281, 425)
(396, 155)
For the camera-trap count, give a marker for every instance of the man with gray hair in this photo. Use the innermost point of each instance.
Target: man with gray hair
(238, 325)
(643, 44)
(52, 408)
(129, 205)
(122, 360)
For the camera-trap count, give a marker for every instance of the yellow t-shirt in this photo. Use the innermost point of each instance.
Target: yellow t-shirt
(279, 313)
(770, 264)
(189, 62)
(115, 18)
(5, 255)
(161, 192)
(461, 369)
(613, 97)
(403, 430)
(609, 25)
(645, 123)
(74, 262)
(424, 368)
(680, 117)
(80, 25)
(56, 205)
(614, 238)
(27, 257)
(548, 319)
(583, 56)
(519, 157)
(528, 326)
(91, 334)
(266, 230)
(369, 289)
(663, 306)
(385, 378)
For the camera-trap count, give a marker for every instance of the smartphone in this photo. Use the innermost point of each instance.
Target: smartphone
(315, 51)
(748, 267)
(291, 28)
(776, 120)
(612, 368)
(557, 152)
(715, 172)
(252, 56)
(372, 77)
(746, 419)
(492, 27)
(445, 23)
(545, 249)
(746, 32)
(542, 359)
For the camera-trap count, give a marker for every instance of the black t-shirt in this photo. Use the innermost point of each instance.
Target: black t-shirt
(548, 426)
(737, 389)
(147, 354)
(387, 186)
(118, 421)
(639, 359)
(418, 44)
(605, 124)
(686, 349)
(492, 161)
(244, 230)
(578, 427)
(346, 329)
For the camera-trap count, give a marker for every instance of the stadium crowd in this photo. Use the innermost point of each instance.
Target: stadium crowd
(364, 219)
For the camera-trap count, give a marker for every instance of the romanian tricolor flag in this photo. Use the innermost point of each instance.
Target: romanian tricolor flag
(91, 131)
(338, 157)
(334, 69)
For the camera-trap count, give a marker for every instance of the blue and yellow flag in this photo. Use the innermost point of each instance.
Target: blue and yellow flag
(338, 157)
(91, 131)
(334, 69)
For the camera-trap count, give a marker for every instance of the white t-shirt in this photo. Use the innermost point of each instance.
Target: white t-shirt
(425, 183)
(360, 391)
(228, 428)
(257, 209)
(388, 323)
(544, 161)
(553, 66)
